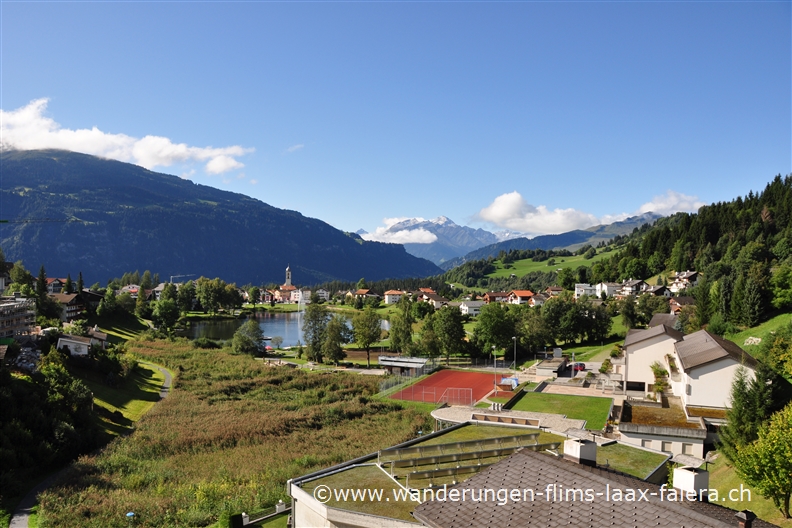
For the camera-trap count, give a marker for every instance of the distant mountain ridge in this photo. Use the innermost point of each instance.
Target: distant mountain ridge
(452, 241)
(130, 218)
(569, 240)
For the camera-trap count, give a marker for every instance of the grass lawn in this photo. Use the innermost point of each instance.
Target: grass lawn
(278, 521)
(119, 328)
(365, 477)
(592, 409)
(762, 331)
(480, 432)
(134, 399)
(523, 267)
(723, 478)
(635, 462)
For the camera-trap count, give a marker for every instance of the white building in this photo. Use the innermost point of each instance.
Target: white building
(471, 308)
(610, 289)
(584, 289)
(393, 296)
(78, 346)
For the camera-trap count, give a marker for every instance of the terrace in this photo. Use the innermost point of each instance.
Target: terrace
(445, 459)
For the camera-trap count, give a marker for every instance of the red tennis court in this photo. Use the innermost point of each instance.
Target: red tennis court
(445, 384)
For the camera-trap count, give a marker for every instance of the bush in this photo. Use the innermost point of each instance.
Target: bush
(205, 342)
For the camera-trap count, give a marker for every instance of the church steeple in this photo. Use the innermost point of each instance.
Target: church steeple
(288, 276)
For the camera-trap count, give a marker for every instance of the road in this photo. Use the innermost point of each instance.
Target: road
(22, 512)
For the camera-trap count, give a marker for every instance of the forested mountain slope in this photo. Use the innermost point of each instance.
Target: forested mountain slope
(124, 217)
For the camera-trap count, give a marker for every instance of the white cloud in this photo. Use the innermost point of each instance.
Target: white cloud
(511, 211)
(253, 181)
(28, 128)
(294, 148)
(404, 236)
(671, 202)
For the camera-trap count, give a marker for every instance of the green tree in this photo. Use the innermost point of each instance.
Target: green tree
(186, 296)
(165, 313)
(450, 332)
(648, 305)
(367, 329)
(41, 286)
(277, 341)
(629, 313)
(738, 431)
(753, 303)
(494, 327)
(430, 344)
(141, 306)
(335, 338)
(19, 275)
(781, 284)
(80, 283)
(766, 463)
(566, 279)
(125, 302)
(248, 338)
(169, 291)
(531, 329)
(254, 292)
(361, 284)
(315, 321)
(69, 286)
(401, 323)
(146, 282)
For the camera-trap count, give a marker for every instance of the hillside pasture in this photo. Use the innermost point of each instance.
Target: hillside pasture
(526, 266)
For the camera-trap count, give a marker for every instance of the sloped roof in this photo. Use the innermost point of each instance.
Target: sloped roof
(542, 474)
(663, 318)
(522, 293)
(700, 348)
(63, 298)
(642, 335)
(683, 300)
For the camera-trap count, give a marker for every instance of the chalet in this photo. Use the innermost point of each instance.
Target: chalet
(131, 289)
(658, 291)
(677, 303)
(491, 297)
(74, 345)
(471, 308)
(98, 338)
(437, 301)
(91, 298)
(394, 296)
(538, 300)
(553, 291)
(667, 319)
(323, 294)
(610, 289)
(520, 296)
(72, 307)
(633, 287)
(55, 285)
(584, 289)
(683, 281)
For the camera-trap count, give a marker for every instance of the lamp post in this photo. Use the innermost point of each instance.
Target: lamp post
(494, 371)
(515, 353)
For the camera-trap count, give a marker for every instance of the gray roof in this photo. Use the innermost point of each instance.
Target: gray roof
(663, 318)
(528, 470)
(642, 335)
(700, 348)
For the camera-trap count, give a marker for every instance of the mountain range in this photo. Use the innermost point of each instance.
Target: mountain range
(570, 240)
(450, 239)
(106, 217)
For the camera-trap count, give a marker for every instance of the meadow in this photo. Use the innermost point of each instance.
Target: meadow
(226, 439)
(526, 266)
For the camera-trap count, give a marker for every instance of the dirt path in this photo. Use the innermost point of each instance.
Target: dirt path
(23, 510)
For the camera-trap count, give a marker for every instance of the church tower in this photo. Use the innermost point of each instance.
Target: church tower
(288, 276)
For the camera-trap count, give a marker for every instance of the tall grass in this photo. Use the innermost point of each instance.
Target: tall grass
(226, 440)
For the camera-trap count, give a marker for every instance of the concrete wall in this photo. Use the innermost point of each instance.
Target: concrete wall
(640, 356)
(656, 443)
(710, 384)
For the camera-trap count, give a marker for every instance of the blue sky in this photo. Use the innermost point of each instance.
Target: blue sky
(537, 117)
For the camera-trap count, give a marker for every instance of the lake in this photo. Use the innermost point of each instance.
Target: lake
(287, 325)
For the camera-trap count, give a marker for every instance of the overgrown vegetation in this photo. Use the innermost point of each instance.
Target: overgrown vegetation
(226, 440)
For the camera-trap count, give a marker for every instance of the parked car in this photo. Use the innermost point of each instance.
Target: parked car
(577, 367)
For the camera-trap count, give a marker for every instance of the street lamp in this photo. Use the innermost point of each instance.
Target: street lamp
(494, 371)
(515, 353)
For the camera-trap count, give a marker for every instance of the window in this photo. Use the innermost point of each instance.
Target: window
(646, 443)
(687, 449)
(666, 447)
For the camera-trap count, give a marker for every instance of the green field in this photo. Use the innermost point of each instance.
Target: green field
(523, 267)
(132, 400)
(592, 409)
(635, 462)
(763, 331)
(723, 478)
